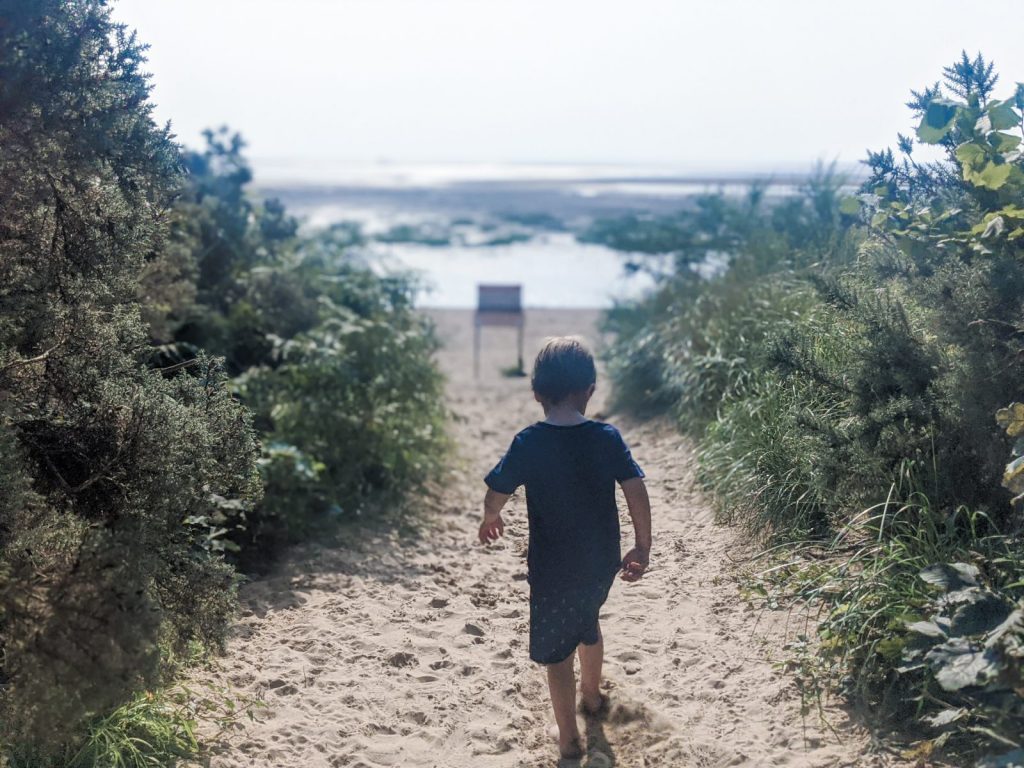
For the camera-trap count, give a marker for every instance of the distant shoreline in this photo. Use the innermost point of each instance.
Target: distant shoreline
(336, 173)
(569, 197)
(399, 182)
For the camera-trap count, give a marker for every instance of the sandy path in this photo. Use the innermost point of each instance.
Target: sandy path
(412, 650)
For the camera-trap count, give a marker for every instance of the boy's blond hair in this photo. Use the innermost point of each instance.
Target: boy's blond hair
(564, 365)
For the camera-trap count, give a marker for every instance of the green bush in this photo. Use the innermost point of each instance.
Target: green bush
(351, 409)
(136, 303)
(111, 470)
(699, 337)
(857, 383)
(334, 362)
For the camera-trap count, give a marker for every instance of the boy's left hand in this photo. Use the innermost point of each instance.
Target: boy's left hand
(491, 529)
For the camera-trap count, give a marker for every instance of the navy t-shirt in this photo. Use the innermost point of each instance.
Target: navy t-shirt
(570, 474)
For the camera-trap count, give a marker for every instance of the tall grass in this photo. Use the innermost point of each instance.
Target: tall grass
(152, 730)
(841, 380)
(155, 729)
(761, 465)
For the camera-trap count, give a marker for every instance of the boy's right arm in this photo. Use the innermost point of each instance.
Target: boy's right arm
(492, 526)
(636, 560)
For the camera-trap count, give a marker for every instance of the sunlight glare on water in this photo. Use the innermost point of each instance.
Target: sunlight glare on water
(554, 269)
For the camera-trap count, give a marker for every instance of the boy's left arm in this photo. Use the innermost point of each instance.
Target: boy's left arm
(492, 527)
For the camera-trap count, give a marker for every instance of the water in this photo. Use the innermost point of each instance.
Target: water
(465, 207)
(554, 270)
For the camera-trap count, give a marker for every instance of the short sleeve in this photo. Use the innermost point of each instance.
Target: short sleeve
(622, 463)
(509, 473)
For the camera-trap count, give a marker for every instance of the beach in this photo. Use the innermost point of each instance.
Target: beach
(407, 646)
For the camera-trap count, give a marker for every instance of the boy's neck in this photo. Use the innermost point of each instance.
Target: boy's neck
(563, 415)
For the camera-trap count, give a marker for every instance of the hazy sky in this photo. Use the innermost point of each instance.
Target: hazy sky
(711, 85)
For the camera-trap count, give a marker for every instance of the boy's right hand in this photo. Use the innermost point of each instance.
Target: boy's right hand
(634, 564)
(491, 529)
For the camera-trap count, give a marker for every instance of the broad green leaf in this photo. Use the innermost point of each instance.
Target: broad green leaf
(995, 227)
(1013, 476)
(929, 135)
(971, 156)
(957, 664)
(1011, 418)
(982, 613)
(937, 121)
(1012, 212)
(966, 120)
(978, 168)
(945, 717)
(1002, 115)
(982, 225)
(993, 176)
(891, 648)
(1003, 142)
(926, 628)
(849, 205)
(950, 576)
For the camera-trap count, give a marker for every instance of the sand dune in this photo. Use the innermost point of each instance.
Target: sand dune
(411, 650)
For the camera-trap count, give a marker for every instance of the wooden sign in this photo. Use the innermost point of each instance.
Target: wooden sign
(500, 305)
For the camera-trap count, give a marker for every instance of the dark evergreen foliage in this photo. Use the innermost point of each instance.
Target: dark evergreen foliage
(109, 468)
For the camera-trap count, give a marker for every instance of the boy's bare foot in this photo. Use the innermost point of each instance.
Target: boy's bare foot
(594, 706)
(573, 749)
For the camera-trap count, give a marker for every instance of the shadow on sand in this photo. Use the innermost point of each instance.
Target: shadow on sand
(599, 751)
(381, 546)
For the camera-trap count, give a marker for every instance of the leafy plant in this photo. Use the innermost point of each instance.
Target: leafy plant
(331, 358)
(972, 648)
(840, 377)
(351, 409)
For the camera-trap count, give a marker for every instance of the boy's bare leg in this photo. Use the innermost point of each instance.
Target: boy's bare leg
(562, 685)
(591, 659)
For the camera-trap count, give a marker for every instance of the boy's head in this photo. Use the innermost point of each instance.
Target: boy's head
(564, 371)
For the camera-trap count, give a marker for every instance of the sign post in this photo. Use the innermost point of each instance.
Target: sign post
(498, 305)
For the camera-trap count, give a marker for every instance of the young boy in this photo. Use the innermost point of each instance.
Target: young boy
(569, 465)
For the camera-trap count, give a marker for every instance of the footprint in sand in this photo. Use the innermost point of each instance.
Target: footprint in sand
(357, 670)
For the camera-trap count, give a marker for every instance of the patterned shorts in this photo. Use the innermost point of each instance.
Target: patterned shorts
(561, 620)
